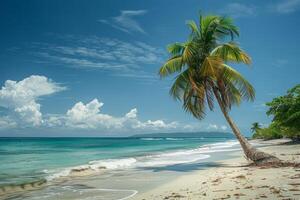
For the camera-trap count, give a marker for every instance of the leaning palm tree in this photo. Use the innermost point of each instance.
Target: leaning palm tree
(203, 74)
(255, 127)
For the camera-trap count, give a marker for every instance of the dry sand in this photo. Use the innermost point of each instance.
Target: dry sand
(231, 180)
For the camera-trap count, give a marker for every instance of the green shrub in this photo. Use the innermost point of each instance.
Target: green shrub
(271, 132)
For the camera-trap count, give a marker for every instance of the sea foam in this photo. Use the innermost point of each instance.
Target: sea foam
(153, 160)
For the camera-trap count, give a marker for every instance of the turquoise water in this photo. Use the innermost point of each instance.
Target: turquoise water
(24, 160)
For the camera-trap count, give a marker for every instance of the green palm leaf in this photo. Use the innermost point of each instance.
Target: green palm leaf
(194, 27)
(176, 48)
(173, 65)
(230, 52)
(234, 78)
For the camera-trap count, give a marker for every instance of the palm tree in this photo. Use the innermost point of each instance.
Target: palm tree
(204, 74)
(255, 127)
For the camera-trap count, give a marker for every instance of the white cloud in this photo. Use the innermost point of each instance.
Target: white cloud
(125, 21)
(212, 126)
(22, 110)
(89, 116)
(238, 10)
(7, 123)
(287, 6)
(216, 127)
(132, 114)
(124, 59)
(223, 127)
(20, 98)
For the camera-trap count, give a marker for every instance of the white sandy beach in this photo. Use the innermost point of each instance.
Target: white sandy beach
(231, 181)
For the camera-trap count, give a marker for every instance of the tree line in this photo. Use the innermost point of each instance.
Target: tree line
(285, 113)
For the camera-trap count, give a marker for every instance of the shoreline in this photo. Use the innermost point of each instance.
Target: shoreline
(232, 179)
(157, 166)
(178, 181)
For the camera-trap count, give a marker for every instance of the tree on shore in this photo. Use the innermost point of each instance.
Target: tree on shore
(204, 75)
(286, 113)
(255, 127)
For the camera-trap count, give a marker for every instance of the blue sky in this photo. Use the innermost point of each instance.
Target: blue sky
(89, 68)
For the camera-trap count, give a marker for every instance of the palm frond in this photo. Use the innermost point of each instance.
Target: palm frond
(194, 100)
(189, 52)
(233, 78)
(233, 94)
(179, 86)
(231, 52)
(194, 27)
(176, 48)
(209, 96)
(207, 23)
(226, 27)
(173, 65)
(210, 66)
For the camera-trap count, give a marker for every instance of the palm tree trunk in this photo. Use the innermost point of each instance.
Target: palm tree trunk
(258, 157)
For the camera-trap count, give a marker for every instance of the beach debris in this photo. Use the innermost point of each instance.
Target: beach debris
(294, 184)
(241, 177)
(263, 196)
(227, 197)
(174, 196)
(219, 190)
(216, 180)
(294, 190)
(274, 190)
(263, 186)
(239, 194)
(296, 176)
(282, 196)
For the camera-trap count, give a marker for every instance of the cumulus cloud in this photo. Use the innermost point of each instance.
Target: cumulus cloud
(89, 116)
(21, 101)
(126, 21)
(20, 98)
(22, 110)
(132, 114)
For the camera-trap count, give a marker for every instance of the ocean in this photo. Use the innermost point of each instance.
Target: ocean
(32, 162)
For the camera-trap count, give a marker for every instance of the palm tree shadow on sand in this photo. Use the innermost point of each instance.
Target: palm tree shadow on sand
(189, 167)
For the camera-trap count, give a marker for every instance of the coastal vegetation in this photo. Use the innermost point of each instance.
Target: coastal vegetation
(285, 111)
(204, 74)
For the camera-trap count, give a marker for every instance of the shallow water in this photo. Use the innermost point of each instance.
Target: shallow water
(47, 163)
